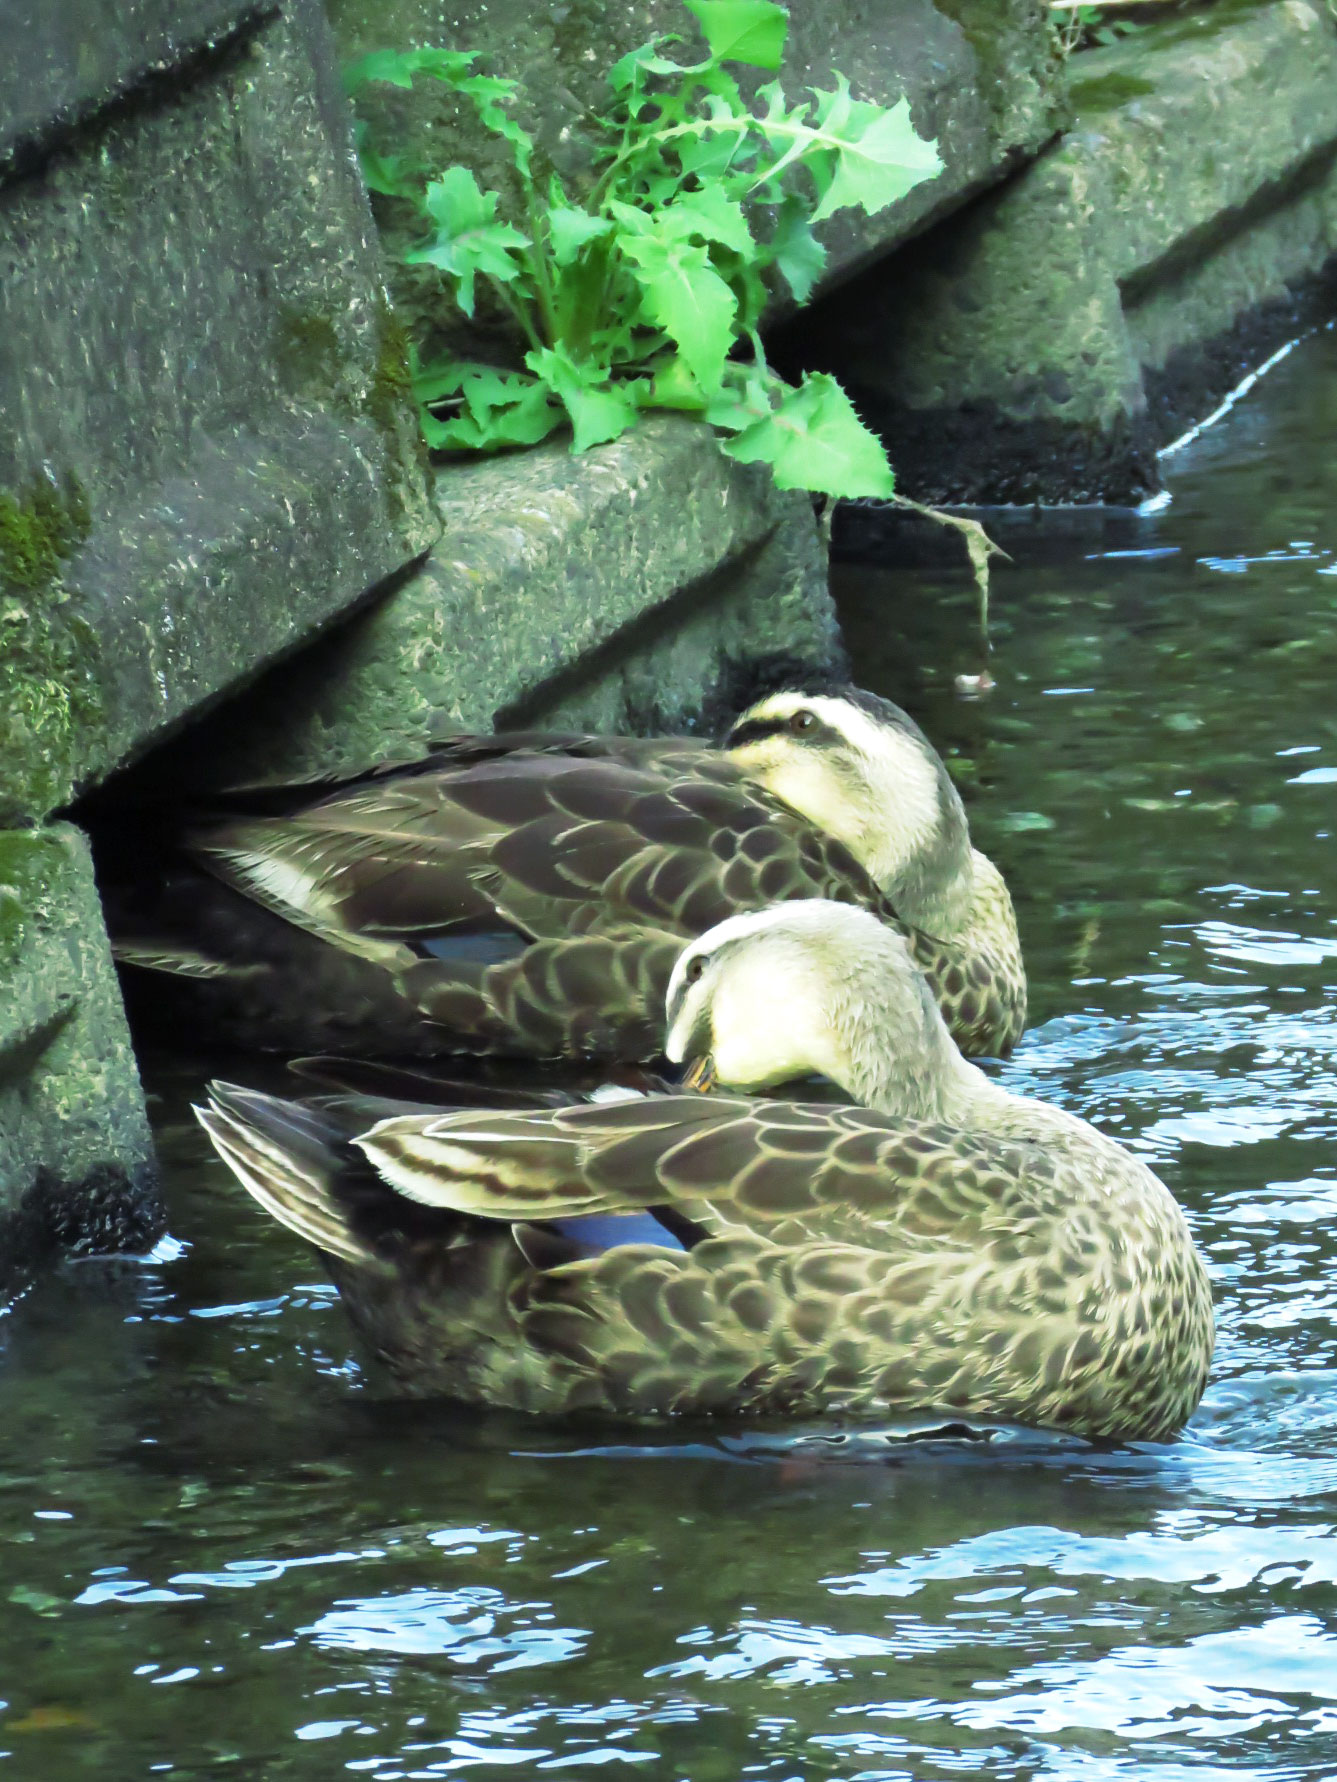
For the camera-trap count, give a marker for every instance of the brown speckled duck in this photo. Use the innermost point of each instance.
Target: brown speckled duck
(528, 894)
(947, 1247)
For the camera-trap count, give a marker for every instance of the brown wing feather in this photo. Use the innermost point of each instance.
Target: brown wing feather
(814, 1167)
(540, 842)
(554, 839)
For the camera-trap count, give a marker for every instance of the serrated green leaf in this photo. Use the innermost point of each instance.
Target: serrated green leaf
(710, 215)
(619, 343)
(673, 386)
(468, 240)
(748, 394)
(687, 298)
(724, 144)
(718, 84)
(707, 215)
(751, 31)
(796, 251)
(487, 90)
(856, 153)
(488, 94)
(599, 410)
(813, 439)
(570, 228)
(436, 378)
(383, 173)
(742, 274)
(879, 155)
(629, 71)
(444, 64)
(498, 410)
(713, 157)
(397, 68)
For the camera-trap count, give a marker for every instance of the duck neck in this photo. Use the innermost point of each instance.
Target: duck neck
(933, 888)
(948, 1088)
(926, 1080)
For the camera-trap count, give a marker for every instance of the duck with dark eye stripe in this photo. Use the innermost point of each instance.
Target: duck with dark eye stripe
(948, 1247)
(527, 894)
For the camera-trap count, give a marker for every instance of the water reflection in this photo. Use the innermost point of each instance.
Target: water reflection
(223, 1555)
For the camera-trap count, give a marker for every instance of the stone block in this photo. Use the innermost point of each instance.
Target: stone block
(1043, 343)
(76, 1160)
(208, 455)
(65, 60)
(614, 588)
(981, 76)
(208, 452)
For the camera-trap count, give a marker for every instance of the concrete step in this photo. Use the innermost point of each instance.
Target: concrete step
(1045, 341)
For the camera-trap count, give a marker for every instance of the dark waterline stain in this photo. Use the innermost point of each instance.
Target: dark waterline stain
(221, 1556)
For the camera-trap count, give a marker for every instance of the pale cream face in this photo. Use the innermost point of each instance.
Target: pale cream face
(761, 994)
(869, 784)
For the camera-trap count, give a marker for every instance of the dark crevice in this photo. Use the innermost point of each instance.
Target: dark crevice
(74, 130)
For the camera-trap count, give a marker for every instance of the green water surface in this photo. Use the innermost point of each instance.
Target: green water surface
(221, 1556)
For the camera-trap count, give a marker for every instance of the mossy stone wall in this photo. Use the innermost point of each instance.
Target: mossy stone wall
(208, 455)
(1043, 342)
(76, 1159)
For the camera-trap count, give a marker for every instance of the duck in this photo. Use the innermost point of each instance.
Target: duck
(527, 894)
(937, 1244)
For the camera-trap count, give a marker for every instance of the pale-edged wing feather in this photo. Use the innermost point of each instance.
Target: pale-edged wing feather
(545, 843)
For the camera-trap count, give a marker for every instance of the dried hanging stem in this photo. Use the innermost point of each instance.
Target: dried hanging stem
(979, 548)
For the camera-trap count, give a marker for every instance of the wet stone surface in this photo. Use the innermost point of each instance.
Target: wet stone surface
(1042, 343)
(210, 452)
(612, 590)
(76, 1159)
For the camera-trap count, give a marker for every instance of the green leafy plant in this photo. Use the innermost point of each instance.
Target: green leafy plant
(646, 290)
(1082, 26)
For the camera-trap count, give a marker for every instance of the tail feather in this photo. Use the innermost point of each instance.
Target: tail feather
(423, 1086)
(176, 962)
(289, 1157)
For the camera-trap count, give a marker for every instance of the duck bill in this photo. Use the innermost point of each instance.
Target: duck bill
(700, 1075)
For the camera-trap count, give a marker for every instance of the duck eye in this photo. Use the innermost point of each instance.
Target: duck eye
(695, 968)
(802, 721)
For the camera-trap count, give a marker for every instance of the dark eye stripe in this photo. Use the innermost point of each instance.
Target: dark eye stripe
(756, 729)
(753, 730)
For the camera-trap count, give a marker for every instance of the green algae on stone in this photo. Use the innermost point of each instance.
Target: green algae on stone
(1106, 92)
(76, 1159)
(370, 378)
(49, 701)
(49, 691)
(310, 357)
(391, 391)
(1019, 69)
(39, 528)
(389, 404)
(31, 861)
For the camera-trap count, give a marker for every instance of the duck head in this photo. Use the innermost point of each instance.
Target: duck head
(862, 770)
(814, 987)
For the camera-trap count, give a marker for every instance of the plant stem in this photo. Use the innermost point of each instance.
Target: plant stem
(690, 127)
(521, 314)
(538, 263)
(979, 548)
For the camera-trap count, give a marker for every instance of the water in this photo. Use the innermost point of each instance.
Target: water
(222, 1557)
